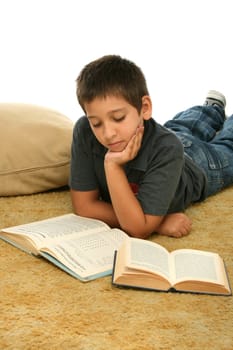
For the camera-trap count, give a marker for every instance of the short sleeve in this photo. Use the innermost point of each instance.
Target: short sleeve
(82, 174)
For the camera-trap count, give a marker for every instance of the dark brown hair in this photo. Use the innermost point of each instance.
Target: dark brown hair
(111, 75)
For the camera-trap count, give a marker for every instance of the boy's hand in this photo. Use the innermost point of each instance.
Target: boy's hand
(130, 151)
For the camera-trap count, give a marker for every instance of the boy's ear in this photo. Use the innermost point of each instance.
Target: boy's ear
(146, 111)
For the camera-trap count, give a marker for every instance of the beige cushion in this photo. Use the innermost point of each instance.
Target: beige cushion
(35, 149)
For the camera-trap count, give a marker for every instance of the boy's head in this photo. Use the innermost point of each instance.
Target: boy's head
(111, 75)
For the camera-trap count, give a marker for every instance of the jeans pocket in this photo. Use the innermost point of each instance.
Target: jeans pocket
(203, 154)
(216, 160)
(186, 141)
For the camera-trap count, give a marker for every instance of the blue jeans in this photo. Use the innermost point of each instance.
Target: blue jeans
(207, 138)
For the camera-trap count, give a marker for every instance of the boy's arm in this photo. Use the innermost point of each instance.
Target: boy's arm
(88, 204)
(126, 206)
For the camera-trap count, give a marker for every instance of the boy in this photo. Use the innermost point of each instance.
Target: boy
(131, 172)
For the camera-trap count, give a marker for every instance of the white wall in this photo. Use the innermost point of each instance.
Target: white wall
(183, 47)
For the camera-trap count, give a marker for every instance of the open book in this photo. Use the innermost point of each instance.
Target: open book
(82, 247)
(147, 265)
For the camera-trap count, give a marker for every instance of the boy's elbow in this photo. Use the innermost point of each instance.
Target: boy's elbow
(82, 212)
(141, 235)
(145, 228)
(137, 233)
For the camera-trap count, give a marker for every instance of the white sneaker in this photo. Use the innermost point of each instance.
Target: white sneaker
(215, 98)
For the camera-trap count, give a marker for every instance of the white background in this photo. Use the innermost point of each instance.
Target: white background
(184, 48)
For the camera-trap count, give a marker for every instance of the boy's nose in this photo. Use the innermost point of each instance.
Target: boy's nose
(109, 132)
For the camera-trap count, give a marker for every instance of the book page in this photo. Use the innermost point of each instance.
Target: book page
(56, 228)
(148, 256)
(88, 253)
(197, 265)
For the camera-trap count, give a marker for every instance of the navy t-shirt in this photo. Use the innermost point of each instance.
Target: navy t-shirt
(162, 177)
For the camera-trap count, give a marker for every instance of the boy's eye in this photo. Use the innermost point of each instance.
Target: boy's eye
(115, 119)
(119, 119)
(96, 125)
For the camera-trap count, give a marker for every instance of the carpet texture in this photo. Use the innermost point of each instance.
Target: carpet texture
(42, 307)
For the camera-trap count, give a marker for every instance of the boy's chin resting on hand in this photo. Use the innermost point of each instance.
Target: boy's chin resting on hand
(175, 225)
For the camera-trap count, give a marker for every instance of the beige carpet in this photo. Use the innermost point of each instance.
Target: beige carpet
(42, 307)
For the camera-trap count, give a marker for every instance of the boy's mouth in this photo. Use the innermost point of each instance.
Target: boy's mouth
(116, 146)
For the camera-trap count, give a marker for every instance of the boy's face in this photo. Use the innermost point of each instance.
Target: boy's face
(114, 121)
